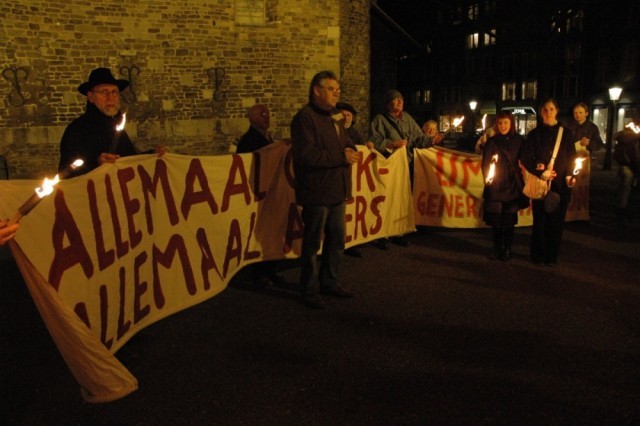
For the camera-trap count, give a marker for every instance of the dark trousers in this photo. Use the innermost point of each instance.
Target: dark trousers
(547, 231)
(319, 220)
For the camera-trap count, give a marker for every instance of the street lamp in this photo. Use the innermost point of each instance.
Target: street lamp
(472, 106)
(614, 95)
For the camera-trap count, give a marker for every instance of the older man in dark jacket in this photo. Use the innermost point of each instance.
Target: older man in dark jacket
(322, 156)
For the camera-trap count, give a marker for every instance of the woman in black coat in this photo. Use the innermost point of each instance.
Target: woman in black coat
(503, 187)
(536, 154)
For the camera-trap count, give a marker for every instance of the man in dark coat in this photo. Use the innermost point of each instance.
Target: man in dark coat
(322, 157)
(93, 136)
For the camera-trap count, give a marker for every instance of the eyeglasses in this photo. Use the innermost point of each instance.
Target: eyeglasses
(106, 92)
(331, 89)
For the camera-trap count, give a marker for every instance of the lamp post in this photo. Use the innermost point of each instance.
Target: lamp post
(472, 106)
(614, 95)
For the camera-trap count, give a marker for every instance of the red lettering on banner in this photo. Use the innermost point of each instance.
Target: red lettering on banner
(375, 209)
(294, 228)
(234, 247)
(472, 211)
(105, 257)
(192, 197)
(251, 254)
(233, 188)
(359, 219)
(122, 247)
(139, 288)
(364, 168)
(149, 186)
(439, 169)
(435, 205)
(176, 245)
(207, 261)
(81, 311)
(104, 316)
(123, 326)
(467, 165)
(258, 195)
(75, 253)
(131, 206)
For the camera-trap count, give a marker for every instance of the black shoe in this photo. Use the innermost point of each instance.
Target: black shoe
(280, 281)
(494, 256)
(382, 244)
(401, 241)
(506, 255)
(336, 291)
(354, 252)
(261, 282)
(313, 302)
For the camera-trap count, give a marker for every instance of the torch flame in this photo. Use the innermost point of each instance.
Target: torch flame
(47, 186)
(578, 166)
(633, 127)
(484, 121)
(77, 163)
(492, 169)
(120, 127)
(457, 121)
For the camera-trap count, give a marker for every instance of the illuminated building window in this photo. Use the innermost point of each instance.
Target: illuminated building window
(426, 96)
(529, 89)
(473, 41)
(509, 91)
(473, 11)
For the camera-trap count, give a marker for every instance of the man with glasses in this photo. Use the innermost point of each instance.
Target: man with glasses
(93, 136)
(322, 157)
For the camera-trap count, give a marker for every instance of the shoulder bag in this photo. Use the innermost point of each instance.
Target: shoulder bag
(534, 187)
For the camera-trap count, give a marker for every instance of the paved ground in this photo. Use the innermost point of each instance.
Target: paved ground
(437, 334)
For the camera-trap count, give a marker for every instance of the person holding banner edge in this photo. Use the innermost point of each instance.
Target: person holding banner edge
(536, 155)
(392, 130)
(263, 273)
(7, 232)
(322, 158)
(502, 192)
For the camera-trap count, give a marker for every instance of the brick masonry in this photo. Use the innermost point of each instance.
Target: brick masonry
(194, 68)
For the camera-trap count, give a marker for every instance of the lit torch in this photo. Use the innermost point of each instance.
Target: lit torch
(44, 190)
(71, 168)
(40, 193)
(457, 121)
(633, 127)
(116, 135)
(492, 170)
(484, 122)
(578, 166)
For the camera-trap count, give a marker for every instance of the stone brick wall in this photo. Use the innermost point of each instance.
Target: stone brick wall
(194, 69)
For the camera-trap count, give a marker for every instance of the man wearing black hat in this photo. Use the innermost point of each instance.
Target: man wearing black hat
(93, 137)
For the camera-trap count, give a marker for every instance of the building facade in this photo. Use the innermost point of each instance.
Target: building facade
(195, 67)
(510, 56)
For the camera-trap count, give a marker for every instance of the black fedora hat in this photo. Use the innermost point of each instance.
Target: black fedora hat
(101, 76)
(347, 106)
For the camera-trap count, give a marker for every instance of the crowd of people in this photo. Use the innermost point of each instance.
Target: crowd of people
(323, 141)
